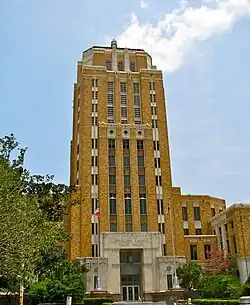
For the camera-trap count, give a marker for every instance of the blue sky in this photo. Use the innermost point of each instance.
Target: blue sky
(202, 46)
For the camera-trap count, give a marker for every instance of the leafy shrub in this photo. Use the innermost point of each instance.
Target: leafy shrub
(246, 289)
(190, 275)
(97, 301)
(215, 302)
(221, 287)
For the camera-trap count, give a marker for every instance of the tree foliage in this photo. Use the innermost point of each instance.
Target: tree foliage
(31, 209)
(219, 263)
(190, 275)
(221, 286)
(58, 278)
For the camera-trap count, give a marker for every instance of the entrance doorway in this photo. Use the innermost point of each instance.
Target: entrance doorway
(130, 293)
(130, 268)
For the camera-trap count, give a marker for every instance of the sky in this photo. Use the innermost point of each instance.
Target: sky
(202, 47)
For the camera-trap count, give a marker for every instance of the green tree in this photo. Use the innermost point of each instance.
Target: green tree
(27, 225)
(58, 278)
(221, 286)
(190, 275)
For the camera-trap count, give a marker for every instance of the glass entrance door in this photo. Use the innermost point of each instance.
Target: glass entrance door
(130, 293)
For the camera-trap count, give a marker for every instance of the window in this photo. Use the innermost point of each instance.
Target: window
(126, 144)
(111, 143)
(226, 228)
(139, 144)
(151, 85)
(143, 206)
(127, 180)
(154, 124)
(110, 112)
(152, 98)
(113, 227)
(137, 113)
(186, 232)
(161, 227)
(164, 250)
(193, 252)
(170, 281)
(124, 112)
(111, 161)
(184, 214)
(157, 162)
(158, 180)
(128, 227)
(197, 216)
(235, 245)
(220, 210)
(95, 277)
(94, 228)
(94, 143)
(156, 145)
(140, 160)
(228, 246)
(132, 66)
(94, 179)
(126, 161)
(94, 107)
(144, 227)
(198, 231)
(112, 179)
(128, 205)
(108, 65)
(232, 225)
(160, 206)
(141, 180)
(94, 161)
(207, 251)
(120, 66)
(110, 102)
(112, 206)
(94, 121)
(94, 82)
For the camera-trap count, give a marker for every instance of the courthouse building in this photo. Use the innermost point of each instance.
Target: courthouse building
(132, 227)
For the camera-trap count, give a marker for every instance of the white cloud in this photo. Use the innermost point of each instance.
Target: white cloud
(171, 38)
(143, 4)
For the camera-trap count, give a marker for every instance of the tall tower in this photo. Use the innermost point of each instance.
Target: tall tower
(121, 165)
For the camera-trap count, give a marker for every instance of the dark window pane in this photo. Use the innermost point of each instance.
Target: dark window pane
(197, 214)
(140, 160)
(198, 231)
(141, 180)
(184, 214)
(193, 252)
(126, 144)
(207, 251)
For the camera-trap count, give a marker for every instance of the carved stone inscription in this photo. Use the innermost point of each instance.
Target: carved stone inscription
(132, 240)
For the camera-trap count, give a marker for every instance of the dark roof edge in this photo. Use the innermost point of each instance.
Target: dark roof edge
(109, 48)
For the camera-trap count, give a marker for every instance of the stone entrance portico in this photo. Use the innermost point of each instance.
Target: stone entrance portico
(155, 272)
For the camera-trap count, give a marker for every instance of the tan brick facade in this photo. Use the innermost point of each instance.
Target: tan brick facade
(92, 113)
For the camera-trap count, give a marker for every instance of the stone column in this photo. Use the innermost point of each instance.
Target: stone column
(126, 60)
